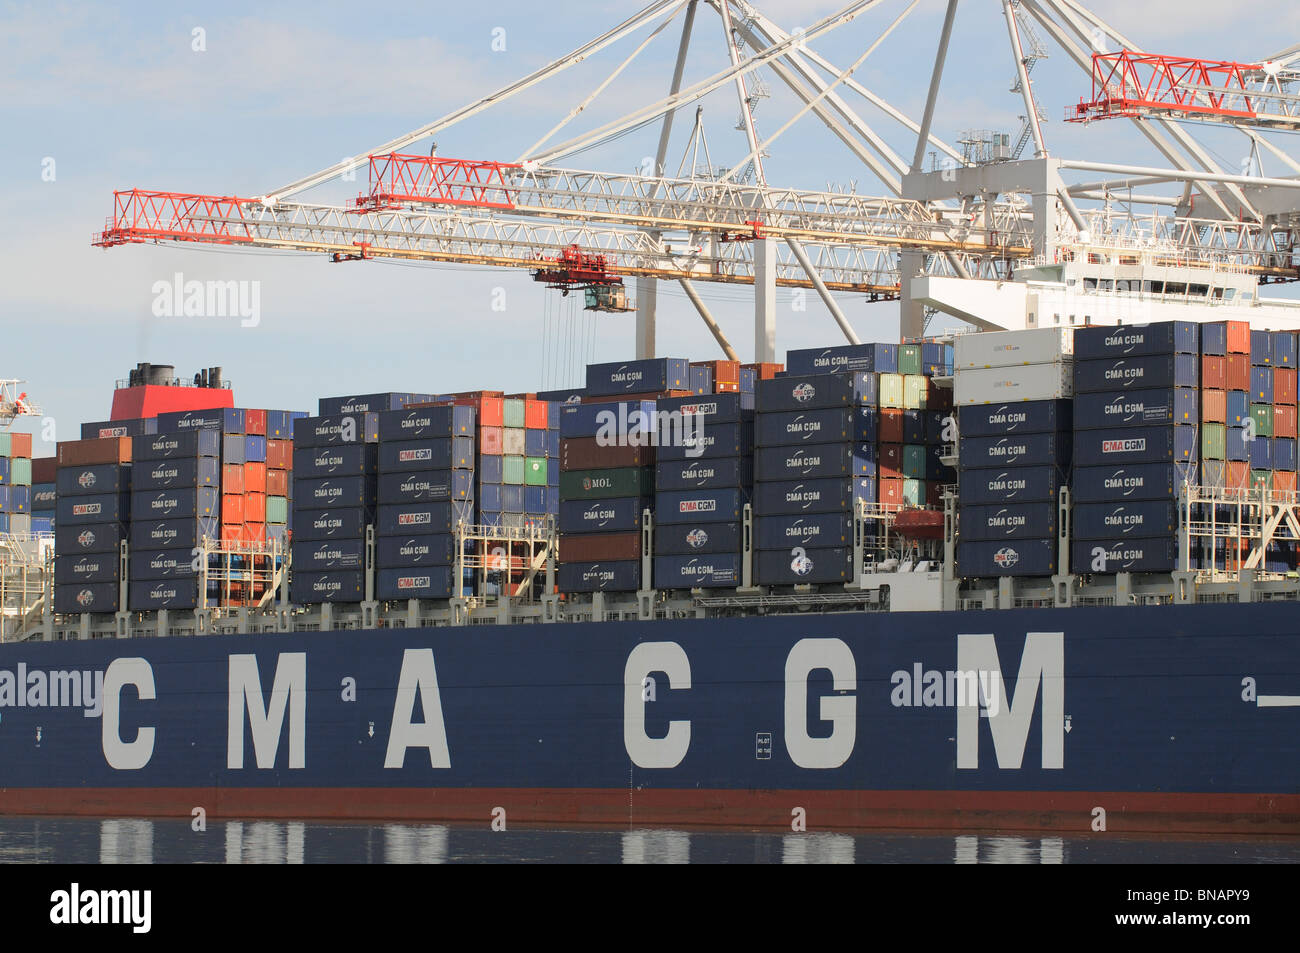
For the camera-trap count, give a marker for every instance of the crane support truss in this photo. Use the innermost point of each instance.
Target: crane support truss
(1141, 85)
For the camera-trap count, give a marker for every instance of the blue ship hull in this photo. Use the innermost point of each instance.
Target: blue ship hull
(1132, 719)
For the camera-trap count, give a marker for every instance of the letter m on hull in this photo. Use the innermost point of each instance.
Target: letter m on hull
(1042, 666)
(266, 722)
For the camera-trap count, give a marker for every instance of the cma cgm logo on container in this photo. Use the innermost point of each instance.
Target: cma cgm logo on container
(414, 582)
(1124, 446)
(804, 393)
(697, 506)
(1006, 557)
(86, 538)
(413, 519)
(696, 538)
(86, 480)
(406, 456)
(87, 509)
(800, 565)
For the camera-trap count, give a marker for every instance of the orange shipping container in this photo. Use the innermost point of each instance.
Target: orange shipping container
(1284, 481)
(232, 509)
(279, 454)
(232, 479)
(277, 482)
(254, 507)
(255, 422)
(1238, 371)
(490, 408)
(232, 532)
(1214, 372)
(726, 387)
(1238, 339)
(84, 453)
(20, 445)
(1284, 385)
(1284, 421)
(1214, 406)
(1238, 476)
(765, 371)
(255, 533)
(254, 477)
(535, 414)
(891, 491)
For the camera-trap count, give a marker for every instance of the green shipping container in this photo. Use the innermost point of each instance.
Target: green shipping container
(512, 470)
(1261, 477)
(534, 471)
(909, 359)
(607, 484)
(914, 492)
(277, 509)
(514, 413)
(914, 461)
(20, 471)
(1214, 441)
(6, 445)
(1262, 414)
(916, 391)
(891, 390)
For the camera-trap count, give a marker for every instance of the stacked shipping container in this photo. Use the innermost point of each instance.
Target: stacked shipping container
(93, 482)
(44, 494)
(16, 483)
(1013, 393)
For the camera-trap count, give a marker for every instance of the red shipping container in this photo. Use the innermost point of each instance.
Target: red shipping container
(85, 453)
(279, 454)
(535, 414)
(1284, 421)
(255, 422)
(765, 371)
(1238, 474)
(44, 469)
(1238, 371)
(277, 482)
(587, 453)
(1284, 481)
(20, 445)
(1214, 407)
(891, 425)
(891, 491)
(600, 547)
(232, 532)
(1214, 372)
(1284, 387)
(891, 463)
(232, 509)
(232, 480)
(726, 387)
(489, 441)
(489, 408)
(938, 398)
(255, 533)
(1238, 339)
(254, 477)
(254, 507)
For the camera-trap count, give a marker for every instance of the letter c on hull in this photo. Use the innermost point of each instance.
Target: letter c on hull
(646, 752)
(126, 755)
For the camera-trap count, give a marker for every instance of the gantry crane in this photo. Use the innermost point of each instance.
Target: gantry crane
(972, 220)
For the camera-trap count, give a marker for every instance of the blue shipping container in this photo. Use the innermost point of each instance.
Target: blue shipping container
(340, 522)
(428, 453)
(1139, 408)
(401, 552)
(816, 391)
(225, 419)
(449, 420)
(99, 597)
(311, 588)
(1007, 521)
(991, 558)
(347, 460)
(82, 569)
(812, 496)
(817, 460)
(163, 564)
(616, 576)
(1260, 451)
(184, 472)
(713, 409)
(799, 566)
(43, 497)
(1261, 348)
(1238, 405)
(88, 538)
(75, 510)
(182, 534)
(254, 449)
(846, 425)
(360, 404)
(1136, 340)
(334, 491)
(1129, 555)
(1017, 450)
(1115, 521)
(339, 429)
(881, 358)
(703, 441)
(1284, 453)
(88, 481)
(426, 485)
(1136, 373)
(155, 594)
(624, 417)
(817, 530)
(700, 474)
(430, 582)
(175, 503)
(713, 571)
(1143, 481)
(233, 448)
(1261, 384)
(1135, 445)
(1284, 349)
(618, 515)
(1022, 485)
(119, 428)
(320, 555)
(694, 506)
(168, 446)
(698, 537)
(396, 519)
(639, 377)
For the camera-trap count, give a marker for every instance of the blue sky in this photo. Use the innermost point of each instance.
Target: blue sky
(118, 98)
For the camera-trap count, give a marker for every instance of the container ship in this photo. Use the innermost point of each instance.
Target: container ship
(1038, 575)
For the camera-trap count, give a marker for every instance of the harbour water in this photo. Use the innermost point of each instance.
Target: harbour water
(139, 841)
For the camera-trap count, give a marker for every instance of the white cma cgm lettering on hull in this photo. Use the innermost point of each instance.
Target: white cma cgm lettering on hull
(1041, 664)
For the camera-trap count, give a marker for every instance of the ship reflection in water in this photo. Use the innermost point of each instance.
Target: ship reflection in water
(135, 841)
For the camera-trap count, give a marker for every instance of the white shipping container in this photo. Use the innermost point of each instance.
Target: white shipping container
(993, 385)
(1013, 348)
